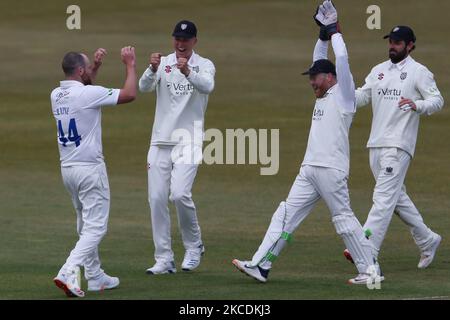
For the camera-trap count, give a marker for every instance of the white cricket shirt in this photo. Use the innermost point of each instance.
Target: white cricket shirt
(328, 143)
(386, 84)
(78, 115)
(180, 101)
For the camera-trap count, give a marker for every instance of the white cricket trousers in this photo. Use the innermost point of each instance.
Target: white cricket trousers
(89, 188)
(312, 184)
(171, 174)
(389, 167)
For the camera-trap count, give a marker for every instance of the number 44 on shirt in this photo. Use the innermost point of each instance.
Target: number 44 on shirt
(72, 133)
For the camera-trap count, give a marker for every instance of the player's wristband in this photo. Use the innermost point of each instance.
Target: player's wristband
(323, 34)
(331, 29)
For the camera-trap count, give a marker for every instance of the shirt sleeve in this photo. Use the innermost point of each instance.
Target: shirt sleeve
(432, 99)
(364, 94)
(149, 79)
(98, 96)
(343, 73)
(320, 50)
(203, 80)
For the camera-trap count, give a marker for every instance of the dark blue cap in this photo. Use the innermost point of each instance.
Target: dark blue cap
(321, 66)
(401, 33)
(185, 29)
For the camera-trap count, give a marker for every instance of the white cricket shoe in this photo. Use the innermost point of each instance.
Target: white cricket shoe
(162, 268)
(256, 273)
(427, 256)
(104, 283)
(69, 282)
(365, 279)
(192, 258)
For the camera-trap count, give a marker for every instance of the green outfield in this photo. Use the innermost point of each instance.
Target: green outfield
(259, 48)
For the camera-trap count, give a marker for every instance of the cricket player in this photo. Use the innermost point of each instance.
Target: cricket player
(77, 108)
(325, 168)
(401, 90)
(183, 81)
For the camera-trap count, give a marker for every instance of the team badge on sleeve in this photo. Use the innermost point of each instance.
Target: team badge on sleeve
(389, 171)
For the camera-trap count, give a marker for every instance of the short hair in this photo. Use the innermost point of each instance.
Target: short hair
(71, 61)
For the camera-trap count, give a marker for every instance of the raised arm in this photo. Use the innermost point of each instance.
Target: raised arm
(326, 17)
(149, 78)
(203, 81)
(320, 50)
(128, 92)
(343, 73)
(99, 54)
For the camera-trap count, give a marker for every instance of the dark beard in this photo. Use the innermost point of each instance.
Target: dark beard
(397, 57)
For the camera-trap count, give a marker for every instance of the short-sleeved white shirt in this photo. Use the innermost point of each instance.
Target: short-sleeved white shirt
(78, 115)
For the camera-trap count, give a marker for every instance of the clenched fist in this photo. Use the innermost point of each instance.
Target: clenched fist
(128, 56)
(155, 60)
(99, 54)
(182, 64)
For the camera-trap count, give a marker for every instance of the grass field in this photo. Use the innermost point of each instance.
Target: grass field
(259, 48)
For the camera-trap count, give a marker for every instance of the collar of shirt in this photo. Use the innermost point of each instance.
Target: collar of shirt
(172, 59)
(329, 91)
(401, 64)
(70, 83)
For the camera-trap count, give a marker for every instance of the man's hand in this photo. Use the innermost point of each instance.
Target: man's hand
(327, 18)
(407, 104)
(128, 56)
(99, 54)
(155, 60)
(182, 64)
(326, 14)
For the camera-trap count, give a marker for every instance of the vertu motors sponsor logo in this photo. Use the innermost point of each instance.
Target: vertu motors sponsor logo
(390, 94)
(181, 88)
